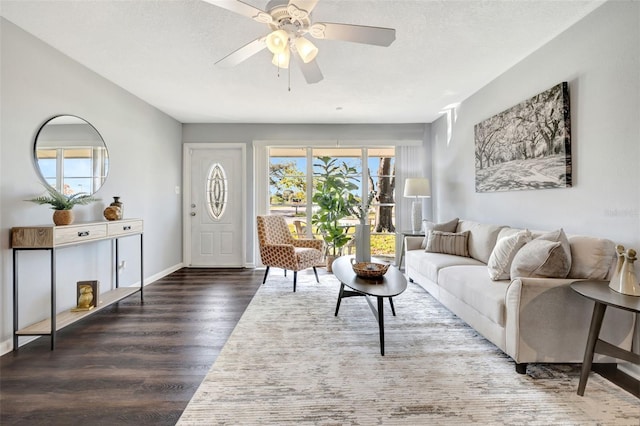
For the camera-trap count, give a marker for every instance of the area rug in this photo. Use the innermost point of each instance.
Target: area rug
(291, 361)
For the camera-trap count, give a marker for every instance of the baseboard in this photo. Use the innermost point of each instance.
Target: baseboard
(7, 345)
(632, 370)
(155, 277)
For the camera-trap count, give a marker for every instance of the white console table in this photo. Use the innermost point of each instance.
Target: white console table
(52, 238)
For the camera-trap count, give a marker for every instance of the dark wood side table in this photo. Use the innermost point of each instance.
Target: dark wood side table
(603, 296)
(408, 233)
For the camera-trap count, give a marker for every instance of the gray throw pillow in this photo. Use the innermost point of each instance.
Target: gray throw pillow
(450, 226)
(543, 257)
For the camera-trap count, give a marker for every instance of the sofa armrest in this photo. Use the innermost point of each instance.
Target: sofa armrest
(413, 243)
(545, 316)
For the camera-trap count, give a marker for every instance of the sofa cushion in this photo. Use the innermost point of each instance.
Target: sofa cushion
(449, 226)
(499, 264)
(591, 258)
(543, 257)
(482, 238)
(472, 285)
(448, 243)
(429, 264)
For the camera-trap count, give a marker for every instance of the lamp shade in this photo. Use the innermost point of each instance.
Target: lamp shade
(417, 187)
(281, 59)
(277, 41)
(306, 49)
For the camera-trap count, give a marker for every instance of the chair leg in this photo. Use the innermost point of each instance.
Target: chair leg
(316, 272)
(295, 277)
(266, 272)
(285, 272)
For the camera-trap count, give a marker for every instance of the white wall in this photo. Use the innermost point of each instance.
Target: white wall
(144, 144)
(600, 58)
(302, 133)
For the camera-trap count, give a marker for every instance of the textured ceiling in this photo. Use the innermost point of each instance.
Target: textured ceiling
(163, 51)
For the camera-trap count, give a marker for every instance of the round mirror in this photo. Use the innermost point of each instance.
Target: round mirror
(70, 155)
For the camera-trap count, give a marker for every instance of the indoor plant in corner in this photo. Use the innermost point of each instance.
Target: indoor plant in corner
(63, 204)
(335, 202)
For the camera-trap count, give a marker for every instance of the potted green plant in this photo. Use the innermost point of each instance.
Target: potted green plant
(63, 204)
(335, 200)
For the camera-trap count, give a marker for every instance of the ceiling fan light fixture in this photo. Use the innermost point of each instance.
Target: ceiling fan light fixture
(277, 41)
(281, 60)
(306, 49)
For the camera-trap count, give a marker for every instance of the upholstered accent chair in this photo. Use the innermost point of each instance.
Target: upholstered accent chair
(279, 249)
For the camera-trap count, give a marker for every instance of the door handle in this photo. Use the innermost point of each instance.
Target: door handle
(193, 206)
(193, 213)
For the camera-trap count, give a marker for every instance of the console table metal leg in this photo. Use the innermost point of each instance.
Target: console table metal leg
(53, 299)
(15, 299)
(393, 309)
(141, 270)
(115, 242)
(381, 323)
(594, 332)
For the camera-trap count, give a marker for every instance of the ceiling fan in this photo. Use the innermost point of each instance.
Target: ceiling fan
(289, 24)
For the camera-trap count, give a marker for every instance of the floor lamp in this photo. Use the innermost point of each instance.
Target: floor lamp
(416, 188)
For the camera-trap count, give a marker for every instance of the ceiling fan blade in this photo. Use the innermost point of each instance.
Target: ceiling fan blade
(311, 70)
(244, 53)
(306, 5)
(356, 33)
(243, 9)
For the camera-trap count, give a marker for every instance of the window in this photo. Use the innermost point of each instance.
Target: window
(292, 171)
(76, 164)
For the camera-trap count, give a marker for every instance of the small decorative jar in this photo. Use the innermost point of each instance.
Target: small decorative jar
(118, 203)
(112, 213)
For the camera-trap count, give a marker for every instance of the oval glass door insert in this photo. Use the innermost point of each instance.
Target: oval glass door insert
(217, 191)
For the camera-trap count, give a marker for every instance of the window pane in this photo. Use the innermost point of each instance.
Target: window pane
(288, 186)
(288, 180)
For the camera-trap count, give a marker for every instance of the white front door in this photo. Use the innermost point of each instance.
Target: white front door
(215, 211)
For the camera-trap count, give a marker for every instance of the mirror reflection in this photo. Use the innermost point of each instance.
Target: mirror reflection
(70, 155)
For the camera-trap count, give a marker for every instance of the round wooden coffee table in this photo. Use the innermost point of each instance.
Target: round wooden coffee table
(389, 285)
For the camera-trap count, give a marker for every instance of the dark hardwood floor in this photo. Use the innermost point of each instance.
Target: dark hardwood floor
(130, 364)
(134, 364)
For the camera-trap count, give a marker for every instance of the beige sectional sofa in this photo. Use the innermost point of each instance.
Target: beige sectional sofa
(533, 319)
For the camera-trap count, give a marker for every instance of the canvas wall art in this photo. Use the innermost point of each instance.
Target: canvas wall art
(527, 146)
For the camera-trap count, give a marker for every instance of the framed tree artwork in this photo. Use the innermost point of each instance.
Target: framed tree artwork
(527, 146)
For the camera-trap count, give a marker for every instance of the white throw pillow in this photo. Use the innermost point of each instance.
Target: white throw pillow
(499, 265)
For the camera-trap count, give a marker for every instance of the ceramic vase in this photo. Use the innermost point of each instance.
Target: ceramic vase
(628, 278)
(614, 283)
(118, 203)
(112, 213)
